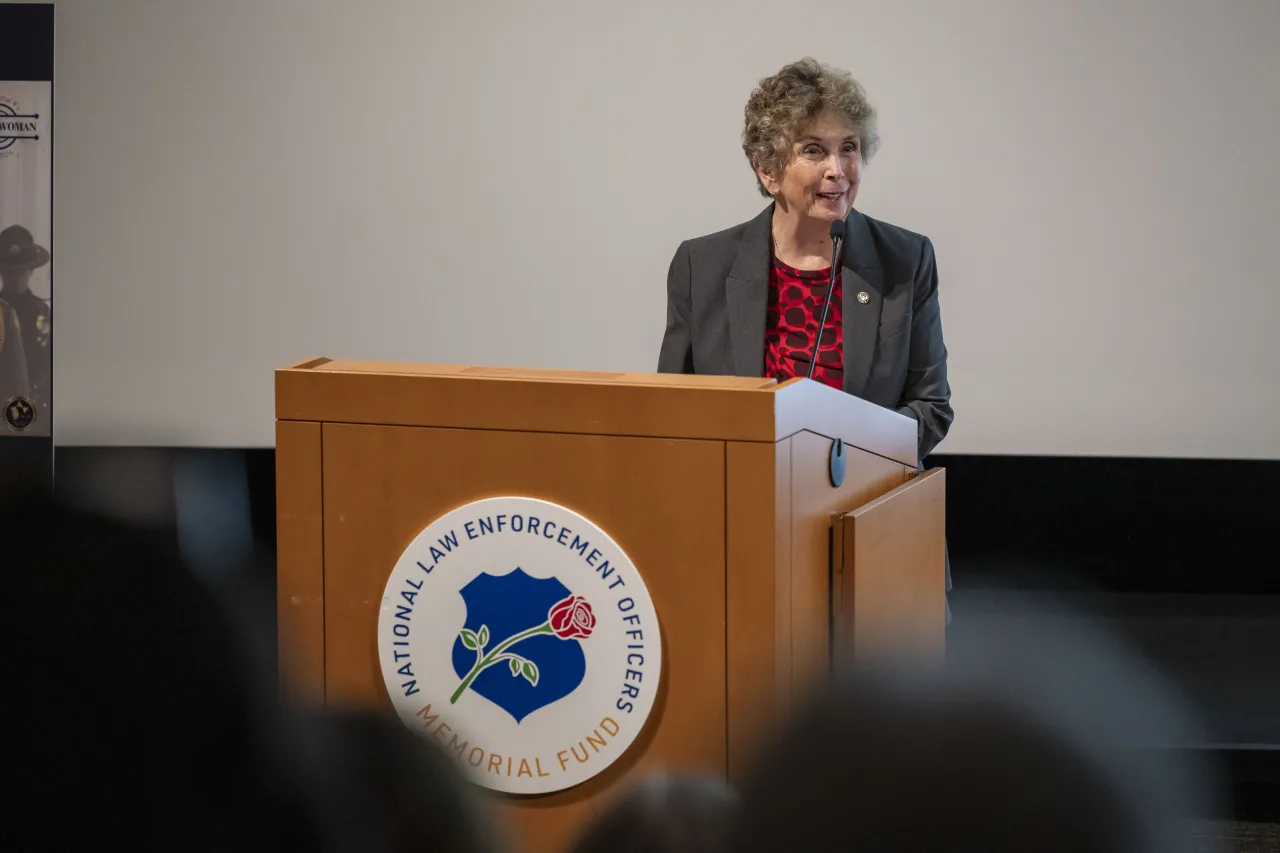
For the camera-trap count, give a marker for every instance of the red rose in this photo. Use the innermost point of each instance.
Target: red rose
(572, 618)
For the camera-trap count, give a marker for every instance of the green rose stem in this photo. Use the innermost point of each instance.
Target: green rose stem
(492, 658)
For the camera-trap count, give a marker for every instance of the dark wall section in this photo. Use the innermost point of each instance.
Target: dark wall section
(1026, 523)
(1117, 525)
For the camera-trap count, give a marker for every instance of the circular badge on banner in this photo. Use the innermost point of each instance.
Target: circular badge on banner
(19, 414)
(516, 634)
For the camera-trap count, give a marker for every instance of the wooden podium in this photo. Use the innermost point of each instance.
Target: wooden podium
(720, 489)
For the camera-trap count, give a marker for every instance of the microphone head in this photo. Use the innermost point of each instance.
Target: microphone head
(837, 229)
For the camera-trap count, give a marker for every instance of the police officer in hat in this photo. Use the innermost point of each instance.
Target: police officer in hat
(13, 360)
(19, 257)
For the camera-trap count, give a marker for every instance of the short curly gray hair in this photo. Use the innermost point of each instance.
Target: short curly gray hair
(781, 105)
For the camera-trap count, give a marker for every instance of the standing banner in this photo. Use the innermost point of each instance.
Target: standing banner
(26, 242)
(26, 230)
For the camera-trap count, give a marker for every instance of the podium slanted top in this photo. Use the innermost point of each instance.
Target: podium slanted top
(650, 405)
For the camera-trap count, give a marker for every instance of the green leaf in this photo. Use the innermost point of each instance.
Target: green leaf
(483, 639)
(515, 667)
(469, 639)
(530, 672)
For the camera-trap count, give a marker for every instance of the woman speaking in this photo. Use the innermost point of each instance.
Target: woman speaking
(748, 301)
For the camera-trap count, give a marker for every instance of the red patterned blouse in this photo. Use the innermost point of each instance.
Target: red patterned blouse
(795, 304)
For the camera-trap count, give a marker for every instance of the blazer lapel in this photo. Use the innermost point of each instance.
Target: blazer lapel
(747, 295)
(861, 295)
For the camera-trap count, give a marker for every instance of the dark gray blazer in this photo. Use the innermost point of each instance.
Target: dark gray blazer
(894, 355)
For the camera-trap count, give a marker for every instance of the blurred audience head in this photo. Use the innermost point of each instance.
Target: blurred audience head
(132, 709)
(664, 814)
(135, 719)
(380, 787)
(1041, 746)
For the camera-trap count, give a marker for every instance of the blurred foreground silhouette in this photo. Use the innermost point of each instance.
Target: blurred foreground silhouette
(142, 715)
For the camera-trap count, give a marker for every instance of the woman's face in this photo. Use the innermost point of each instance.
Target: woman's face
(820, 180)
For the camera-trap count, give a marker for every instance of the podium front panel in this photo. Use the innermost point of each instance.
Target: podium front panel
(661, 500)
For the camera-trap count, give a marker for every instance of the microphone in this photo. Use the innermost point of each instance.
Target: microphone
(837, 240)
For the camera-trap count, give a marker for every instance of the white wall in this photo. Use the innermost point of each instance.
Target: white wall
(244, 183)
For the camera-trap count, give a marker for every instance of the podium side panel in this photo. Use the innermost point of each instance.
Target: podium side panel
(814, 502)
(894, 585)
(662, 501)
(758, 590)
(300, 558)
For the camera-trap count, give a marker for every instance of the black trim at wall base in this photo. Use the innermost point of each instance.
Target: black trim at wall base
(1030, 523)
(1119, 525)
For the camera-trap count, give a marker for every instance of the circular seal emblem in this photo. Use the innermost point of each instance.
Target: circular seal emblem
(516, 634)
(19, 414)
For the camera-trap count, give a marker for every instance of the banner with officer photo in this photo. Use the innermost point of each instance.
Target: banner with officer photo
(26, 258)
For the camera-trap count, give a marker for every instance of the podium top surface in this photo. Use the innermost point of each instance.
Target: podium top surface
(651, 405)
